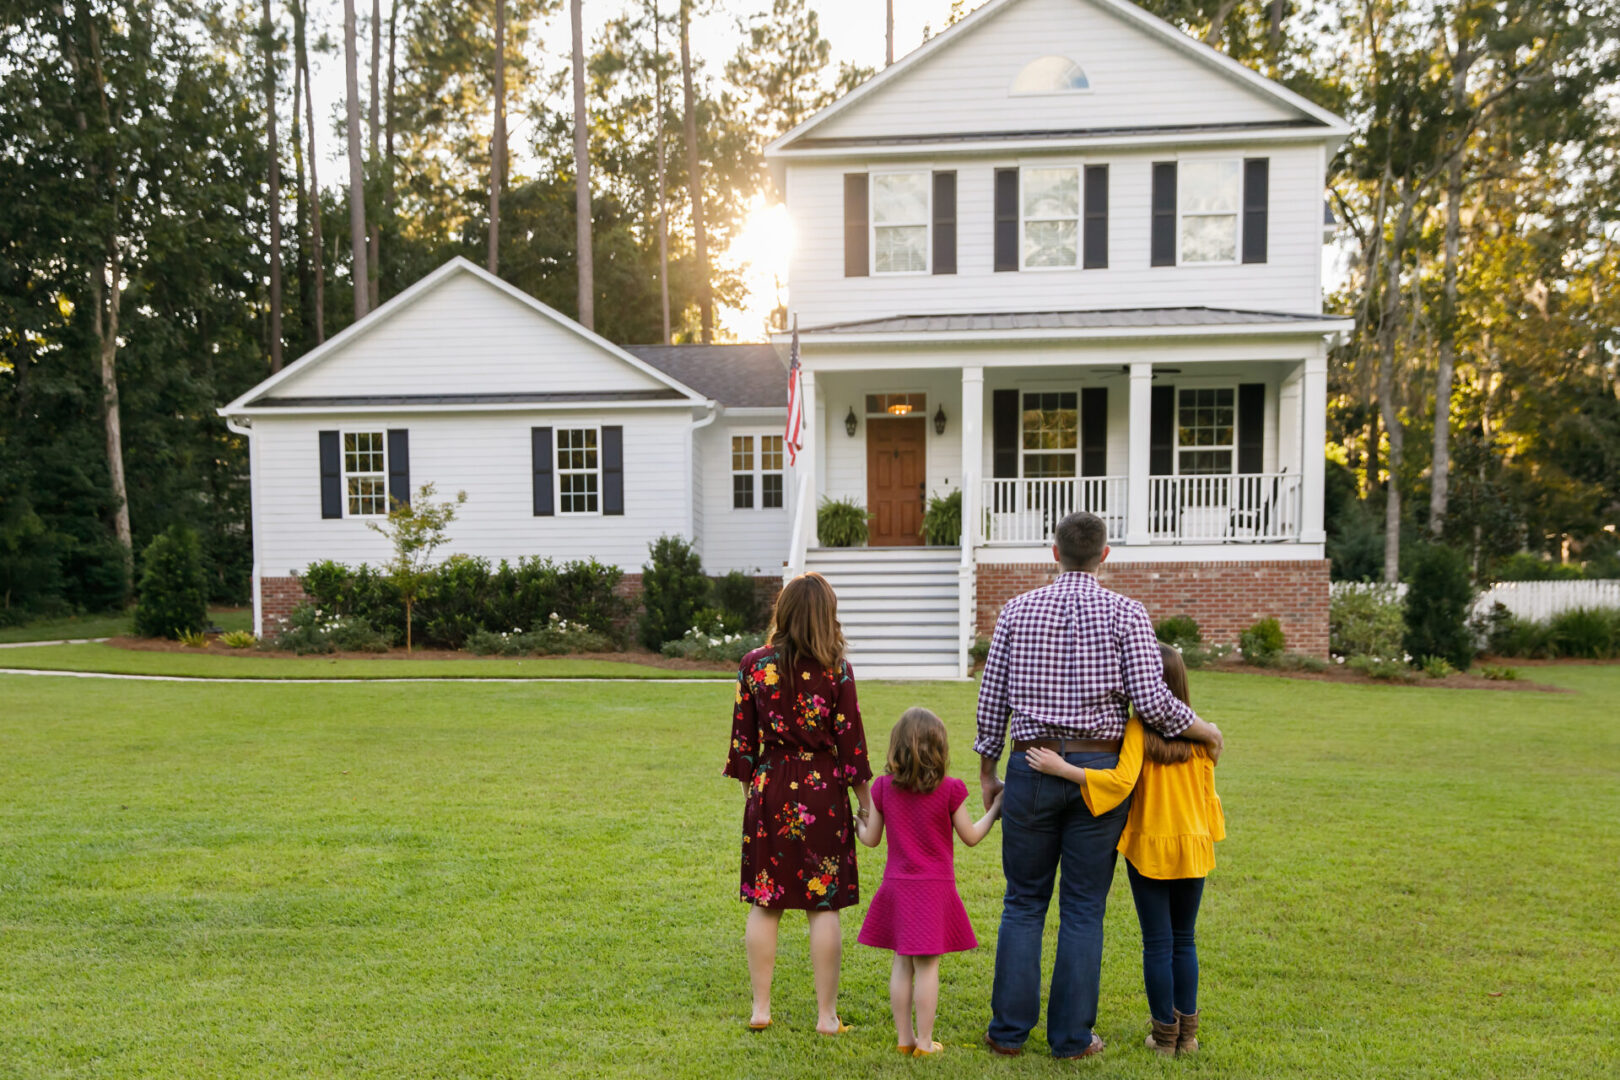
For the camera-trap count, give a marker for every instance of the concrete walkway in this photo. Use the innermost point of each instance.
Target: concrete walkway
(63, 641)
(273, 681)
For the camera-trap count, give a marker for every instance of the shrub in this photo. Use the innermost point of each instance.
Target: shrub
(1366, 620)
(1499, 674)
(555, 637)
(700, 644)
(1263, 642)
(193, 639)
(455, 601)
(1437, 667)
(979, 651)
(587, 594)
(1526, 566)
(673, 588)
(1439, 599)
(1179, 631)
(309, 630)
(1585, 633)
(1202, 656)
(174, 593)
(361, 591)
(1505, 634)
(238, 639)
(942, 520)
(843, 523)
(1300, 662)
(1378, 668)
(736, 593)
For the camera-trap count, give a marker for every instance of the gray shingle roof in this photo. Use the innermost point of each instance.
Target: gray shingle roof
(1108, 319)
(739, 376)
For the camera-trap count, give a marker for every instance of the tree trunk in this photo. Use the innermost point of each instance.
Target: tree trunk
(582, 178)
(317, 245)
(108, 290)
(694, 169)
(374, 261)
(300, 201)
(497, 141)
(1278, 9)
(1388, 407)
(388, 112)
(1217, 24)
(357, 170)
(888, 35)
(274, 208)
(663, 170)
(1445, 367)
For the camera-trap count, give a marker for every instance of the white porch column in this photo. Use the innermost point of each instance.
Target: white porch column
(1141, 447)
(1313, 448)
(972, 472)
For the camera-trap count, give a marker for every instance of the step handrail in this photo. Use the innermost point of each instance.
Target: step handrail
(803, 526)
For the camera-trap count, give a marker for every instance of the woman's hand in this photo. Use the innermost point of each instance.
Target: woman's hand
(1044, 760)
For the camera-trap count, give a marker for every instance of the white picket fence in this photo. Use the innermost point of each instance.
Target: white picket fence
(1526, 599)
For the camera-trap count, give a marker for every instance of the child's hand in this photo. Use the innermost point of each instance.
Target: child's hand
(1043, 760)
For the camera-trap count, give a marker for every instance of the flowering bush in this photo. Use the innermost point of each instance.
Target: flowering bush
(311, 630)
(713, 643)
(555, 637)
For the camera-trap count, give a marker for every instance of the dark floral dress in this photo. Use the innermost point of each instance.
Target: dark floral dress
(798, 747)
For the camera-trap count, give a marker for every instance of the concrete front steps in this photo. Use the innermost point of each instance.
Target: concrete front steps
(899, 608)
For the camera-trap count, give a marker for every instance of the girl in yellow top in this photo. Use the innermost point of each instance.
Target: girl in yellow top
(1169, 846)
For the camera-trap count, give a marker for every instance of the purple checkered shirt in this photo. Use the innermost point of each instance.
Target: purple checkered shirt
(1066, 661)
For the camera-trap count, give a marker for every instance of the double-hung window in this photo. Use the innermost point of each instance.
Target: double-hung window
(1206, 431)
(1209, 195)
(1051, 433)
(1051, 217)
(365, 473)
(756, 466)
(579, 471)
(900, 222)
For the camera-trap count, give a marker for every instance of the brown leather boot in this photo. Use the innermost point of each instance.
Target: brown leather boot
(1162, 1038)
(1187, 1038)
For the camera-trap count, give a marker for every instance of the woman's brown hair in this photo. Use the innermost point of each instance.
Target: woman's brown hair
(805, 623)
(918, 751)
(1156, 747)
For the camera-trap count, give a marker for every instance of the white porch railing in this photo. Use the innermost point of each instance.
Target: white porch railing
(1252, 507)
(1027, 511)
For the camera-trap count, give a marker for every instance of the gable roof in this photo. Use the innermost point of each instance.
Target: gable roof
(802, 137)
(737, 376)
(262, 395)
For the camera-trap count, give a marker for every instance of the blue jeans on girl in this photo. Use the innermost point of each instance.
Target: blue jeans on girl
(1168, 912)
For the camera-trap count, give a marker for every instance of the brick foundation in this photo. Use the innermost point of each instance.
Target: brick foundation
(1225, 597)
(277, 598)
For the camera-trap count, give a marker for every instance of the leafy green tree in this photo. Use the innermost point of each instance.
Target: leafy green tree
(173, 597)
(415, 529)
(1439, 600)
(673, 588)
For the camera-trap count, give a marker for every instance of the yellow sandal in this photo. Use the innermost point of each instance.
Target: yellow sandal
(936, 1047)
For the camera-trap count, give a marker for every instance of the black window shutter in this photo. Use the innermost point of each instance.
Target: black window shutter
(1006, 220)
(1162, 432)
(399, 467)
(1164, 213)
(857, 262)
(1004, 434)
(945, 222)
(331, 475)
(541, 448)
(1094, 431)
(1256, 197)
(613, 470)
(1096, 239)
(1251, 427)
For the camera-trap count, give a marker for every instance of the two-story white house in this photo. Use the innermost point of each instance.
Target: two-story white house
(1060, 257)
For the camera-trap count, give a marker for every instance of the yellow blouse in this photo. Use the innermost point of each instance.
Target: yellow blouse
(1176, 816)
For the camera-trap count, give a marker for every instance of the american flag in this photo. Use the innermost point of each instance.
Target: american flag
(792, 435)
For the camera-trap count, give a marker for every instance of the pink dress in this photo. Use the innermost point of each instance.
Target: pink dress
(916, 911)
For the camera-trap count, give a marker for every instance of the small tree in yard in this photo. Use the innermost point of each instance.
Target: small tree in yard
(673, 588)
(416, 530)
(1439, 600)
(173, 593)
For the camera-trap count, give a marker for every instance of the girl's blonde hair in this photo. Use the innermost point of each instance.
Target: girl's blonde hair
(1156, 747)
(805, 623)
(918, 751)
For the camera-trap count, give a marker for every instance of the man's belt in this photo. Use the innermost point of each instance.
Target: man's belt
(1070, 746)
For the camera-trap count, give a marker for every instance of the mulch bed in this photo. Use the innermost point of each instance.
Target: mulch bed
(1343, 674)
(629, 656)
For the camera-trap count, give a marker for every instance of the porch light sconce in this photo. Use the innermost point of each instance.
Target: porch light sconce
(939, 420)
(850, 422)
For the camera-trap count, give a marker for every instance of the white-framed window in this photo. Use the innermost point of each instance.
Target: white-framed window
(1049, 429)
(757, 472)
(901, 205)
(1050, 75)
(579, 470)
(1050, 207)
(1209, 200)
(1206, 431)
(897, 403)
(365, 473)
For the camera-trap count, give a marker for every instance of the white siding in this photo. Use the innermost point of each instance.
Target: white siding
(1288, 281)
(466, 336)
(1135, 79)
(753, 541)
(488, 456)
(845, 473)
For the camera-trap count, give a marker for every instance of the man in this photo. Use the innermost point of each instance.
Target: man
(1066, 663)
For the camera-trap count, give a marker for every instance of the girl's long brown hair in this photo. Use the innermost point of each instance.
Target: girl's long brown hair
(918, 751)
(805, 623)
(1156, 747)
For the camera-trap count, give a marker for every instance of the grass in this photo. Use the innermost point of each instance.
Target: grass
(493, 880)
(219, 662)
(109, 625)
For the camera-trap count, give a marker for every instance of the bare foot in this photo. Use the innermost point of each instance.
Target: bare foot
(833, 1027)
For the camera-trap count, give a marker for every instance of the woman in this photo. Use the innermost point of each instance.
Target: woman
(798, 748)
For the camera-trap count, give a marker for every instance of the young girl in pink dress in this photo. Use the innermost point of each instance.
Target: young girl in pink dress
(916, 911)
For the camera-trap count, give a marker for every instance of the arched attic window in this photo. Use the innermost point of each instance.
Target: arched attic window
(1050, 75)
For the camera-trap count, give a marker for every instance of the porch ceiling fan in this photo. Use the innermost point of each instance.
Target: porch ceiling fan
(1125, 369)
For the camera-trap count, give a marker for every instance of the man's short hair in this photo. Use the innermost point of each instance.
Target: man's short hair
(1081, 538)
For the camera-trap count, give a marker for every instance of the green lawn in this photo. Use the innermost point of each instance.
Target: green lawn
(99, 626)
(500, 880)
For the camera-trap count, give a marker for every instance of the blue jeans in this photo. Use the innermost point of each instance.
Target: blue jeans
(1168, 912)
(1045, 825)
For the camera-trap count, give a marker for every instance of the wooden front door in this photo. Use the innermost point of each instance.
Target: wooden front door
(896, 461)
